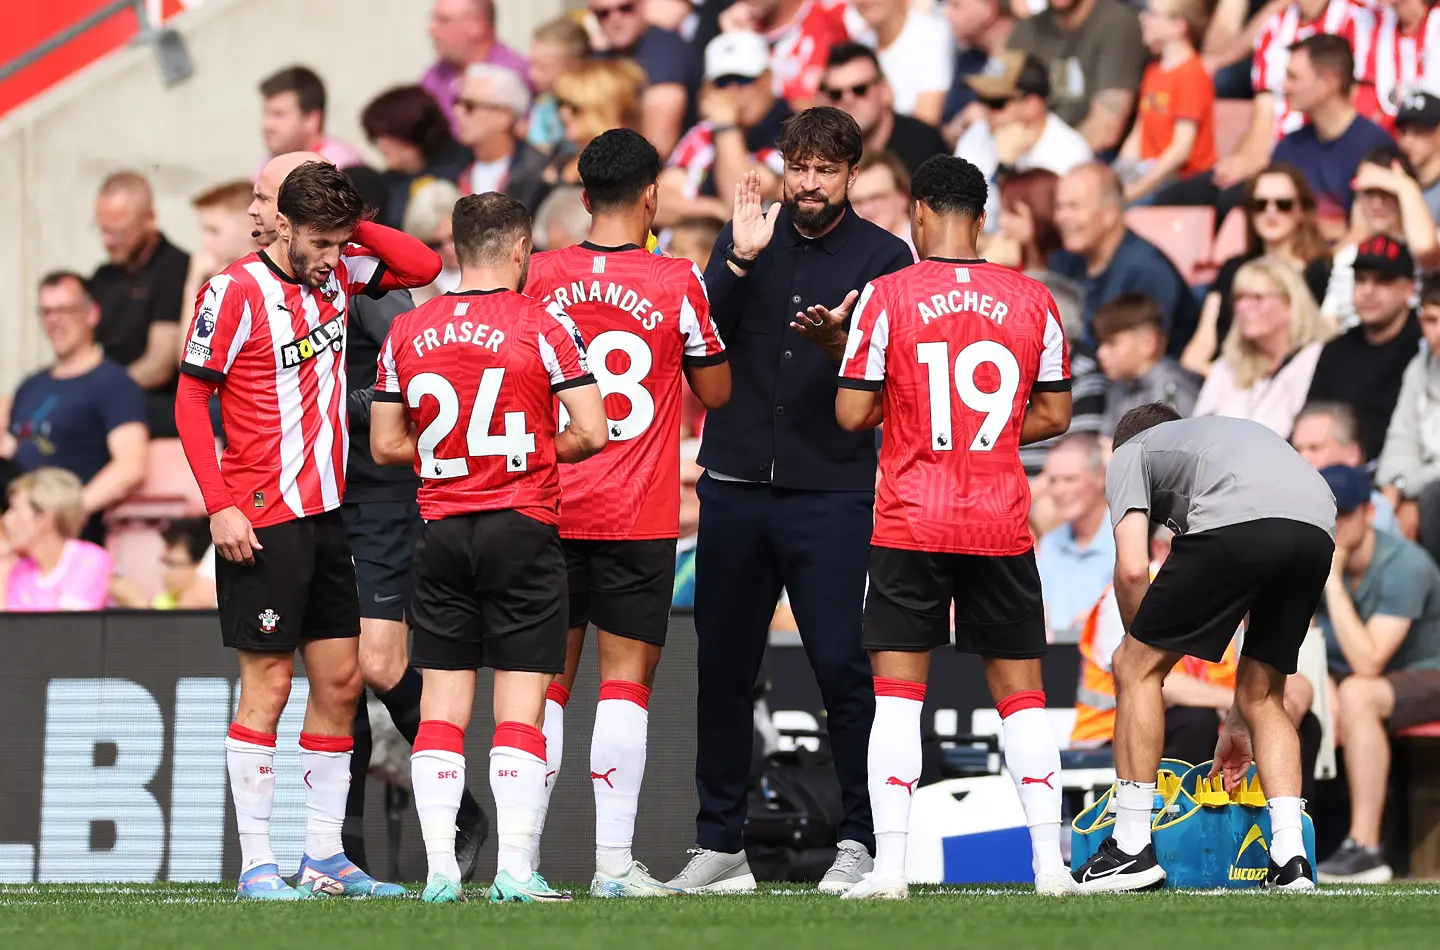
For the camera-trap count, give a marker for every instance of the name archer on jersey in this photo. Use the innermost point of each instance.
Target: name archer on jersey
(963, 301)
(616, 295)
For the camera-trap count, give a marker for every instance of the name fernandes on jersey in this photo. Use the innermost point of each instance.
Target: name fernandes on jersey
(615, 295)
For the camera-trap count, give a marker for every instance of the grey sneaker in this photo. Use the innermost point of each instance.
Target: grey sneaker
(714, 872)
(852, 862)
(1354, 863)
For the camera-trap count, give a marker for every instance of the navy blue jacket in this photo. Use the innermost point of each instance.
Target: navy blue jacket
(779, 425)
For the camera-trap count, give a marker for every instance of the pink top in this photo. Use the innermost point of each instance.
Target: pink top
(340, 154)
(81, 581)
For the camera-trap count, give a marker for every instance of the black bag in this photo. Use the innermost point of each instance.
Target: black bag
(797, 802)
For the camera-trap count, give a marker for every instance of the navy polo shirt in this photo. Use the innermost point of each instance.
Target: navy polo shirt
(779, 425)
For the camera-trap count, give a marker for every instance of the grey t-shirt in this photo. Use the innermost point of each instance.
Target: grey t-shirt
(1194, 475)
(1401, 581)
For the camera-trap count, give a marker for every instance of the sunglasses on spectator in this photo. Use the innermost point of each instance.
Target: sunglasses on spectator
(995, 105)
(859, 91)
(732, 82)
(605, 13)
(1282, 205)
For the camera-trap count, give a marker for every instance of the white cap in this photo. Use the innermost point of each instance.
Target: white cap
(736, 54)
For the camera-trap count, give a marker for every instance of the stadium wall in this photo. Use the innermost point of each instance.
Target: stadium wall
(116, 114)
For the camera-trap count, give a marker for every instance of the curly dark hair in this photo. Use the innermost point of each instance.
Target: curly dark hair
(823, 132)
(950, 185)
(410, 114)
(616, 168)
(318, 195)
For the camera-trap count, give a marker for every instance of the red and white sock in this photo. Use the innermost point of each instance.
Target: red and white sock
(1033, 758)
(437, 775)
(556, 696)
(617, 770)
(517, 780)
(894, 768)
(325, 762)
(250, 756)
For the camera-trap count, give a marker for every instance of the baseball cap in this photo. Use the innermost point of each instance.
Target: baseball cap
(1351, 486)
(1384, 256)
(1010, 74)
(736, 54)
(1420, 108)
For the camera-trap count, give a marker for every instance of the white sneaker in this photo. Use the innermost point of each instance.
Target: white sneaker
(873, 887)
(852, 862)
(635, 882)
(1057, 884)
(714, 872)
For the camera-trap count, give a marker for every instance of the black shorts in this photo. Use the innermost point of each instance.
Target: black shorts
(622, 587)
(489, 591)
(301, 587)
(382, 538)
(1273, 569)
(998, 608)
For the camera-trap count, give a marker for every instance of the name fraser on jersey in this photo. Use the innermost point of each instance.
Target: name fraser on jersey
(464, 332)
(616, 295)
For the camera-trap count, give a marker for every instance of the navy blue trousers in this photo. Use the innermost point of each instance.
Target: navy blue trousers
(753, 540)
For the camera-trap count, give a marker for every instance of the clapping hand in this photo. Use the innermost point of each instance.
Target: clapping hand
(826, 327)
(751, 226)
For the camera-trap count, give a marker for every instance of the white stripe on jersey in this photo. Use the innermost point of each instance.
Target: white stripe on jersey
(551, 360)
(875, 352)
(323, 365)
(695, 269)
(1052, 357)
(289, 402)
(690, 331)
(361, 269)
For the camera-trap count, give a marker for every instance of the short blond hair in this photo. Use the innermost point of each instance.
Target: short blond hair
(56, 492)
(605, 91)
(233, 195)
(1195, 13)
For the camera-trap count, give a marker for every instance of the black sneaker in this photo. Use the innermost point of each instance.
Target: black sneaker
(472, 827)
(1296, 875)
(1111, 870)
(1354, 863)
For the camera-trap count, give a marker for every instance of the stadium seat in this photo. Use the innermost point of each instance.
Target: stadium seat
(137, 549)
(1425, 730)
(169, 490)
(1182, 233)
(1232, 118)
(1230, 240)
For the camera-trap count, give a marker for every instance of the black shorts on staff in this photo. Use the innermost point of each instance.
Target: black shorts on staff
(1273, 569)
(489, 590)
(382, 539)
(999, 611)
(301, 587)
(622, 587)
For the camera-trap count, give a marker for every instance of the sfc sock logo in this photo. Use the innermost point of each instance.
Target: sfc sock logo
(1238, 873)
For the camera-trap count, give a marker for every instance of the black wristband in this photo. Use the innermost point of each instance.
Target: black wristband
(737, 260)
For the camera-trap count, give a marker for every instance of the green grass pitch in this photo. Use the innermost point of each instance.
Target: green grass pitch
(152, 917)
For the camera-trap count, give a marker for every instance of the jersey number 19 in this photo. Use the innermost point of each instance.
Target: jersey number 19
(997, 406)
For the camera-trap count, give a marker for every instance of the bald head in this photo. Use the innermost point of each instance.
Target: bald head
(125, 217)
(1089, 208)
(267, 189)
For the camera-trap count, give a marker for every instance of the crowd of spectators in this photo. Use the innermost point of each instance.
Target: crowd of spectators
(1310, 127)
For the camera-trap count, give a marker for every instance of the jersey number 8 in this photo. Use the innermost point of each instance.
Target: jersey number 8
(514, 444)
(627, 384)
(997, 406)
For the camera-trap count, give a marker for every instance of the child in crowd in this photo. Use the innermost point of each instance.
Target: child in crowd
(1130, 333)
(186, 541)
(555, 47)
(694, 238)
(1174, 132)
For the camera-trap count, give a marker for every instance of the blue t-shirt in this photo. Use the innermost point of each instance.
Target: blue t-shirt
(968, 62)
(64, 422)
(1330, 166)
(1140, 266)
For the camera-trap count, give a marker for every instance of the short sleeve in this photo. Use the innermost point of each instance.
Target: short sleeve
(387, 377)
(1194, 99)
(1127, 482)
(563, 350)
(362, 271)
(1122, 57)
(864, 364)
(702, 341)
(221, 326)
(1404, 585)
(1054, 372)
(122, 401)
(86, 583)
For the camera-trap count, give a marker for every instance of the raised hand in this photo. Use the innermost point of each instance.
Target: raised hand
(826, 327)
(751, 227)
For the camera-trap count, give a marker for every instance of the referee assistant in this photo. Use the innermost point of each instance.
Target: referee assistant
(787, 497)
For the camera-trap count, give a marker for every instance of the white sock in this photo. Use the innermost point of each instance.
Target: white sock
(554, 729)
(250, 756)
(1135, 803)
(893, 763)
(325, 763)
(517, 780)
(1287, 836)
(1033, 759)
(437, 778)
(617, 769)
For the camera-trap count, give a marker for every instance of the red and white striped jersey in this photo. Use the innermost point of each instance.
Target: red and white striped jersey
(799, 49)
(958, 347)
(646, 317)
(1350, 19)
(277, 350)
(695, 153)
(1402, 61)
(476, 373)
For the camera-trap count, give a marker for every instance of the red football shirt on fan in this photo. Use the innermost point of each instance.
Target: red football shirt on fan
(958, 347)
(1350, 19)
(800, 49)
(476, 373)
(276, 347)
(645, 317)
(1402, 61)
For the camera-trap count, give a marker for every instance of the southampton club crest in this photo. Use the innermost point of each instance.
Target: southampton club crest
(268, 620)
